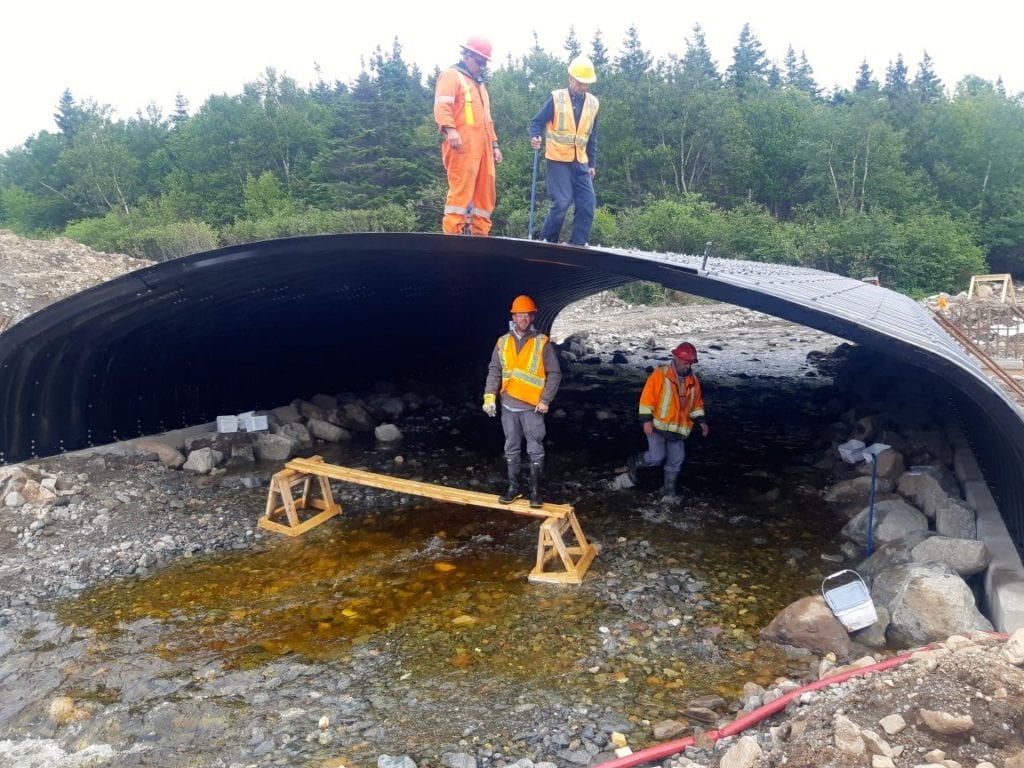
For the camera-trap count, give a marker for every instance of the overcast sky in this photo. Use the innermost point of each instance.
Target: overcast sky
(131, 54)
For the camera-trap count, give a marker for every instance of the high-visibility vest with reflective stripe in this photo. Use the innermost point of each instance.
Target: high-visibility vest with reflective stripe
(522, 373)
(567, 141)
(671, 409)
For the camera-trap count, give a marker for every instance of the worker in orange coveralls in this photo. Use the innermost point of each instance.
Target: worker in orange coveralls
(469, 149)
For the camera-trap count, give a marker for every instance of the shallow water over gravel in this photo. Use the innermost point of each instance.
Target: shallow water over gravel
(408, 627)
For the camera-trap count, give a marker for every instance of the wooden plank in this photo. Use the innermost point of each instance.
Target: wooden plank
(301, 528)
(430, 490)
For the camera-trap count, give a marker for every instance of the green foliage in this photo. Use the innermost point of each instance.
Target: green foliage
(750, 232)
(171, 241)
(112, 233)
(669, 225)
(921, 253)
(640, 292)
(901, 179)
(142, 238)
(387, 218)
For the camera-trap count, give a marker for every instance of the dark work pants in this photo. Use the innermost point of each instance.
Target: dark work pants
(569, 184)
(520, 425)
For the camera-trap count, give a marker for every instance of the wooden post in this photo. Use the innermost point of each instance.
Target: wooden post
(280, 501)
(574, 558)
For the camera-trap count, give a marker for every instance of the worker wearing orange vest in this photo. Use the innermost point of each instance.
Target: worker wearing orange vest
(524, 371)
(569, 122)
(671, 404)
(469, 149)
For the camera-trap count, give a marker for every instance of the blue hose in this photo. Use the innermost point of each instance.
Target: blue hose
(871, 504)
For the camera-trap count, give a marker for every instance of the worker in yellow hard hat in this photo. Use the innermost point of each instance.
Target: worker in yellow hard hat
(524, 371)
(568, 123)
(469, 144)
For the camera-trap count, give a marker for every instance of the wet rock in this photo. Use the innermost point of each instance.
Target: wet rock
(966, 557)
(458, 760)
(168, 455)
(325, 430)
(387, 433)
(891, 520)
(274, 447)
(401, 761)
(202, 461)
(286, 414)
(809, 623)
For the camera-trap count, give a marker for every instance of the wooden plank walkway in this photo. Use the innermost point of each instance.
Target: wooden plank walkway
(561, 541)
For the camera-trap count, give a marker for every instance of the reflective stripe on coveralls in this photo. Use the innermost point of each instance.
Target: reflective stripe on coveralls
(523, 373)
(566, 141)
(464, 104)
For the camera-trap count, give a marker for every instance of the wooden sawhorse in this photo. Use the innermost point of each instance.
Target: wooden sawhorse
(561, 540)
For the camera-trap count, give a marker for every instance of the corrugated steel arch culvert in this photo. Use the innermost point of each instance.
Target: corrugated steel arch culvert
(252, 325)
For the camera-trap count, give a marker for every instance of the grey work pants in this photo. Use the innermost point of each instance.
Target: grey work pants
(520, 425)
(661, 449)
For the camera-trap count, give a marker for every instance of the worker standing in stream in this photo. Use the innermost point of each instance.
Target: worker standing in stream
(568, 121)
(524, 370)
(469, 148)
(671, 404)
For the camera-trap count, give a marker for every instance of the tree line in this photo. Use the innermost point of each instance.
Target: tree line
(897, 177)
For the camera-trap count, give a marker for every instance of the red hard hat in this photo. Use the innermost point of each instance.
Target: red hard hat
(523, 304)
(685, 353)
(481, 46)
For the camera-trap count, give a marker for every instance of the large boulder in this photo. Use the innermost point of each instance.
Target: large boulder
(931, 604)
(965, 557)
(809, 623)
(892, 520)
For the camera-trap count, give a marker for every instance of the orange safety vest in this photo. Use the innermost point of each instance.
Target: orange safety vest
(567, 141)
(522, 373)
(674, 405)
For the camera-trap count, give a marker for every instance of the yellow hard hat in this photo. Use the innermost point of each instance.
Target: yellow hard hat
(582, 69)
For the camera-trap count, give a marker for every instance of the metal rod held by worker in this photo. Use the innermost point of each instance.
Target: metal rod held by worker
(707, 251)
(533, 189)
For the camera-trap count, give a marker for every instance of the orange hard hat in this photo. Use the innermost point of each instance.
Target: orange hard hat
(685, 353)
(481, 46)
(523, 304)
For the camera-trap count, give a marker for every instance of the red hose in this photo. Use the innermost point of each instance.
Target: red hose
(740, 724)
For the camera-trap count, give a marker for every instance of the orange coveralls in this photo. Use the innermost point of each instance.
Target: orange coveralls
(461, 102)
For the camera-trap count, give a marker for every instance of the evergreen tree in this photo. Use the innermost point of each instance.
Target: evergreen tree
(799, 75)
(634, 62)
(598, 51)
(572, 44)
(896, 84)
(865, 79)
(69, 116)
(698, 68)
(749, 62)
(927, 84)
(180, 114)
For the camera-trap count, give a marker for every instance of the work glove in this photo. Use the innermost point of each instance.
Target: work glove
(490, 406)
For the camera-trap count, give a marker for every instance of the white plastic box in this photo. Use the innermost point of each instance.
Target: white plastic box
(227, 424)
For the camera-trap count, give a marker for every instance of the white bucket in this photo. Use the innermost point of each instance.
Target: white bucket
(850, 601)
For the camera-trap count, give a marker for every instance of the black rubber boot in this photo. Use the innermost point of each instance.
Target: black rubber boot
(514, 490)
(633, 467)
(669, 488)
(536, 470)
